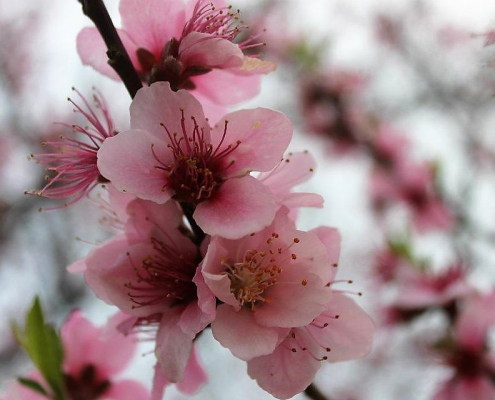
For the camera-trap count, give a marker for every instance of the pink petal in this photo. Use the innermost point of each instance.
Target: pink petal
(173, 347)
(283, 373)
(114, 351)
(225, 87)
(295, 169)
(119, 201)
(295, 200)
(85, 344)
(240, 207)
(193, 320)
(198, 315)
(206, 299)
(147, 219)
(120, 273)
(213, 111)
(434, 216)
(127, 390)
(160, 382)
(311, 253)
(102, 259)
(263, 135)
(212, 271)
(349, 336)
(80, 338)
(93, 51)
(471, 328)
(152, 23)
(331, 238)
(77, 267)
(127, 160)
(205, 50)
(194, 375)
(463, 389)
(294, 303)
(238, 332)
(158, 104)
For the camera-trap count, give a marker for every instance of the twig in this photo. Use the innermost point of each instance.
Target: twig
(199, 235)
(118, 58)
(314, 393)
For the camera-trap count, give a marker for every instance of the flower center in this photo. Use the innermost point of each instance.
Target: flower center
(258, 270)
(165, 276)
(198, 169)
(87, 385)
(250, 278)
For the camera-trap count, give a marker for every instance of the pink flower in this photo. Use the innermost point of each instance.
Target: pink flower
(418, 192)
(150, 273)
(189, 44)
(171, 152)
(342, 332)
(268, 282)
(388, 148)
(92, 358)
(387, 266)
(420, 289)
(74, 162)
(471, 360)
(327, 107)
(413, 185)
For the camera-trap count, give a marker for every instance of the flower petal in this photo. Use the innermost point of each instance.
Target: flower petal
(225, 87)
(93, 50)
(173, 346)
(158, 104)
(238, 332)
(205, 50)
(194, 375)
(126, 390)
(263, 135)
(102, 259)
(294, 303)
(295, 169)
(350, 335)
(240, 207)
(152, 23)
(127, 160)
(122, 272)
(283, 373)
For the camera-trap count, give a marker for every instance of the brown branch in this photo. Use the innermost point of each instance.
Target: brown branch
(199, 235)
(314, 393)
(118, 58)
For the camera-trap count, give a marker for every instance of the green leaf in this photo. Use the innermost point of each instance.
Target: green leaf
(402, 248)
(33, 385)
(305, 54)
(44, 346)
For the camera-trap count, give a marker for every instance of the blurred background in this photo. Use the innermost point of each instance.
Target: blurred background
(395, 101)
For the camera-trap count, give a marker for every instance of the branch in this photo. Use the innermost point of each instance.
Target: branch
(314, 393)
(118, 58)
(199, 235)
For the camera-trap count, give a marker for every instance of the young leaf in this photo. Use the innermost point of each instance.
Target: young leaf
(43, 345)
(33, 385)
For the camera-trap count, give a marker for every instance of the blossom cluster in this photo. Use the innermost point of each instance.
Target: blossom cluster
(202, 208)
(410, 287)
